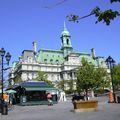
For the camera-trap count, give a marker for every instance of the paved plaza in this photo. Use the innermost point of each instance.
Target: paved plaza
(63, 111)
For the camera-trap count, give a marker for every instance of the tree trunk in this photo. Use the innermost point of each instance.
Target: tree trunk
(86, 94)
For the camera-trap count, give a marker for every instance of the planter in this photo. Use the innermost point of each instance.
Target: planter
(81, 106)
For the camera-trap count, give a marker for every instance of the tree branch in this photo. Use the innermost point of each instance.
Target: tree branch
(56, 4)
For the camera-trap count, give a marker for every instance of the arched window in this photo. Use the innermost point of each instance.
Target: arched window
(67, 41)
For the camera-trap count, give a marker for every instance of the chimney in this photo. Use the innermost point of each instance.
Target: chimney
(34, 46)
(93, 53)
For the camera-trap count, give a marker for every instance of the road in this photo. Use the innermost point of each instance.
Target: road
(64, 111)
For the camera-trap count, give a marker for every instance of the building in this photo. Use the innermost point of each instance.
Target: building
(58, 64)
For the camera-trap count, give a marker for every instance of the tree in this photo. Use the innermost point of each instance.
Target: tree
(17, 79)
(102, 78)
(42, 76)
(90, 78)
(66, 85)
(116, 75)
(61, 84)
(70, 85)
(106, 16)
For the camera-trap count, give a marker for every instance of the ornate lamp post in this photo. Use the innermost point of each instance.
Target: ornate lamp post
(110, 62)
(8, 57)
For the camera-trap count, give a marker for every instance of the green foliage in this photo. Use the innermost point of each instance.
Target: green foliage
(74, 18)
(71, 86)
(102, 16)
(85, 76)
(66, 85)
(18, 79)
(102, 78)
(105, 16)
(61, 84)
(42, 76)
(91, 78)
(116, 75)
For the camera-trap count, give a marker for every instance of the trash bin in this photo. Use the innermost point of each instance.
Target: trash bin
(118, 99)
(4, 109)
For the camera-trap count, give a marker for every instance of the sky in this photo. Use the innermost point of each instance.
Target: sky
(23, 21)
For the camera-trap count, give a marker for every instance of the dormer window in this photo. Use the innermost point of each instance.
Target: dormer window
(51, 61)
(29, 59)
(57, 61)
(45, 60)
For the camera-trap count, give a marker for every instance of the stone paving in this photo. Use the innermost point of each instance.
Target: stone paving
(63, 111)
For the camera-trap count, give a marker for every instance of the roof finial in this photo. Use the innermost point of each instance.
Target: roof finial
(65, 29)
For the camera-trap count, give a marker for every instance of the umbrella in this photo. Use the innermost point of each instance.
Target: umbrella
(10, 91)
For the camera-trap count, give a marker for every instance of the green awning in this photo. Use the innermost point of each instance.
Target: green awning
(40, 89)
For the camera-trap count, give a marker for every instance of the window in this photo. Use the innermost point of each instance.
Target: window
(52, 76)
(57, 61)
(57, 77)
(45, 60)
(51, 61)
(29, 59)
(67, 41)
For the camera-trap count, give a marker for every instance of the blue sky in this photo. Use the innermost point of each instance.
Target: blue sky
(23, 21)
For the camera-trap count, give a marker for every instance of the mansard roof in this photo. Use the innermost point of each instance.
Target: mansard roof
(50, 56)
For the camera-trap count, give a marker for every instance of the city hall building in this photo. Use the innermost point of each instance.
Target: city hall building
(57, 64)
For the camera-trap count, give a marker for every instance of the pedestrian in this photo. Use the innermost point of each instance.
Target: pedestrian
(49, 98)
(110, 97)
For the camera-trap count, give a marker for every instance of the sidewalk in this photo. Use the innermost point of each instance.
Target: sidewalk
(63, 111)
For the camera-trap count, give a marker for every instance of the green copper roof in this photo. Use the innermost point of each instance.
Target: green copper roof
(50, 56)
(14, 64)
(89, 59)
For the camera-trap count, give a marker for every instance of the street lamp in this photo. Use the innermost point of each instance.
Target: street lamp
(8, 57)
(110, 63)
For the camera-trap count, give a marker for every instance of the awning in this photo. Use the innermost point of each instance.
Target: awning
(40, 89)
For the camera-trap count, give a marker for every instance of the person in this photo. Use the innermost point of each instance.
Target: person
(62, 97)
(110, 97)
(49, 98)
(6, 97)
